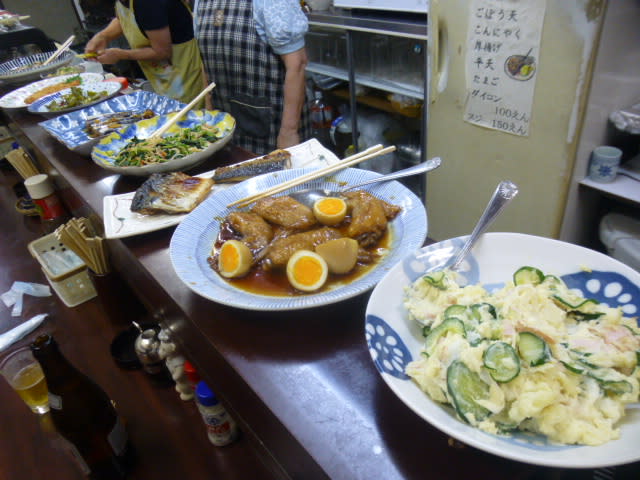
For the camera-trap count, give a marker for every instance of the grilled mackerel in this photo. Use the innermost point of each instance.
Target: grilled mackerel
(272, 162)
(170, 193)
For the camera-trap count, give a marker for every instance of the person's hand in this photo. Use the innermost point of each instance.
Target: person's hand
(110, 56)
(97, 44)
(287, 138)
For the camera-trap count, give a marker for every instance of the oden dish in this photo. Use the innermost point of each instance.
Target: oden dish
(106, 152)
(191, 244)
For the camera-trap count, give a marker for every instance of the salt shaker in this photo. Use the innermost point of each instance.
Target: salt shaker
(221, 428)
(48, 204)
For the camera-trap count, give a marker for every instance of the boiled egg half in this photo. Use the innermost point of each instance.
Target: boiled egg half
(307, 271)
(330, 210)
(234, 259)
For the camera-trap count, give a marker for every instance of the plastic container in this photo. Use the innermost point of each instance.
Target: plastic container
(621, 235)
(65, 271)
(221, 428)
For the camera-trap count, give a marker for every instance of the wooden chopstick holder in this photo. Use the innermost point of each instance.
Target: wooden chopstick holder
(368, 154)
(163, 129)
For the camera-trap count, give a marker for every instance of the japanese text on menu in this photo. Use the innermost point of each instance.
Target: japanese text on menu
(503, 45)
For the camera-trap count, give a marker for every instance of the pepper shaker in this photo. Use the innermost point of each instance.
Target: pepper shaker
(147, 347)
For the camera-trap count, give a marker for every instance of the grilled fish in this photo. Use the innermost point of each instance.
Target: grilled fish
(170, 193)
(272, 162)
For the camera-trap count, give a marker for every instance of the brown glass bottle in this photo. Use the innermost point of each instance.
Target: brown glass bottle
(83, 414)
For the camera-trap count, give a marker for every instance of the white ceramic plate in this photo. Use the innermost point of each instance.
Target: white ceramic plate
(17, 97)
(191, 242)
(69, 128)
(25, 69)
(394, 341)
(107, 89)
(107, 149)
(121, 222)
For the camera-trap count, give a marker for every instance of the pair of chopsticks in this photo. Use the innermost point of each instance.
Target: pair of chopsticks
(22, 162)
(79, 235)
(60, 50)
(367, 154)
(163, 129)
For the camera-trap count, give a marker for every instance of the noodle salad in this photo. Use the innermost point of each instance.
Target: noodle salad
(140, 152)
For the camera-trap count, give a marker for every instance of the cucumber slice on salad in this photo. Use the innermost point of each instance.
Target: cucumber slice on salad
(528, 276)
(502, 362)
(532, 349)
(458, 311)
(449, 325)
(465, 387)
(436, 279)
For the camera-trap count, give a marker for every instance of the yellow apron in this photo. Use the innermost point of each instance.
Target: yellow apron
(181, 77)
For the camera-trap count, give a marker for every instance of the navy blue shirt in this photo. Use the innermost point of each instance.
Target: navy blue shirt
(157, 14)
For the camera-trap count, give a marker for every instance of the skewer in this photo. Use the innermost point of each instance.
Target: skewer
(59, 51)
(162, 130)
(368, 154)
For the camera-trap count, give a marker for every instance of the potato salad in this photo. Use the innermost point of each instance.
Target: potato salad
(532, 356)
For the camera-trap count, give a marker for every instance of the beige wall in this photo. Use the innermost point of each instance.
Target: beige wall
(615, 85)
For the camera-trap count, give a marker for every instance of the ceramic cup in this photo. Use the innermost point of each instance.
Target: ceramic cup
(604, 164)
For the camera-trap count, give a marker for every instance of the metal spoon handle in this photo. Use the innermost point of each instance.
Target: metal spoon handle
(416, 169)
(505, 192)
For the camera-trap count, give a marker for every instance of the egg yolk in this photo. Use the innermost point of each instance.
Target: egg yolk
(235, 259)
(307, 271)
(330, 210)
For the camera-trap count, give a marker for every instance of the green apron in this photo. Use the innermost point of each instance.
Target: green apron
(179, 78)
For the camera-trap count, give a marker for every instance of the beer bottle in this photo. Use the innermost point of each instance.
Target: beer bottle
(83, 414)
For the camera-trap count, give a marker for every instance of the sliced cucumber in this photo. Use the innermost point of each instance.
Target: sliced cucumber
(581, 306)
(436, 279)
(528, 276)
(458, 311)
(502, 362)
(465, 387)
(555, 283)
(483, 311)
(616, 387)
(449, 325)
(532, 349)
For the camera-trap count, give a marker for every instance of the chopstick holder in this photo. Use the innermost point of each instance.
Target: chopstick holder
(22, 162)
(59, 51)
(367, 154)
(163, 129)
(78, 235)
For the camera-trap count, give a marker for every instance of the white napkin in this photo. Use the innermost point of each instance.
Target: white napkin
(14, 297)
(15, 334)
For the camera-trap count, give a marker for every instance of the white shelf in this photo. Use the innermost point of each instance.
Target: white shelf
(623, 187)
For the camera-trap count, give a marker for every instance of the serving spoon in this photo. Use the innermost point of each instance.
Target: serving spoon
(309, 196)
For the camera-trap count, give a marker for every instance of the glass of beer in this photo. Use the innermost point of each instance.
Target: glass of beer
(22, 371)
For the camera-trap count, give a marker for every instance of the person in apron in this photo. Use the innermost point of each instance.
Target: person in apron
(254, 51)
(167, 52)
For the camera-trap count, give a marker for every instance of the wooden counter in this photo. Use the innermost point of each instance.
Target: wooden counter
(301, 384)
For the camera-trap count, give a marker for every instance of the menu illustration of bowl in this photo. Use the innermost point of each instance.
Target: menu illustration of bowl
(520, 67)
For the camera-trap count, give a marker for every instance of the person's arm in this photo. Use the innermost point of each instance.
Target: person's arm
(294, 97)
(100, 40)
(160, 49)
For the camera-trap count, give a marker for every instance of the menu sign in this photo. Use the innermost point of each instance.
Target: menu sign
(502, 59)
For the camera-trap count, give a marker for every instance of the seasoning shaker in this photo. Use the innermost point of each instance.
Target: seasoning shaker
(47, 203)
(147, 347)
(221, 427)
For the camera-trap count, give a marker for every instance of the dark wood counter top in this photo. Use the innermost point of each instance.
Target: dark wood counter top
(301, 384)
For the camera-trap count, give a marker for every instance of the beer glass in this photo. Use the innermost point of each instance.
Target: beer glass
(22, 371)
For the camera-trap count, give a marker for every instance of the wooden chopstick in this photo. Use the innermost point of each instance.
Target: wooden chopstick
(59, 51)
(368, 154)
(161, 131)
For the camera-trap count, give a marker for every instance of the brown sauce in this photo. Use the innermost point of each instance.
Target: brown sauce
(275, 283)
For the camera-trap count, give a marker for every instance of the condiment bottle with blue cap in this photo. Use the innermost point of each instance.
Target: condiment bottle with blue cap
(221, 428)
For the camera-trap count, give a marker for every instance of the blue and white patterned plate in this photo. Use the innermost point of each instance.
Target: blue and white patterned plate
(107, 149)
(25, 69)
(394, 341)
(69, 128)
(192, 240)
(109, 89)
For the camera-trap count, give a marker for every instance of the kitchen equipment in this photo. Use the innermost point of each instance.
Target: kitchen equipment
(417, 6)
(310, 196)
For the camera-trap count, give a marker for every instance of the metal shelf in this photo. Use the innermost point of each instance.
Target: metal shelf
(387, 23)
